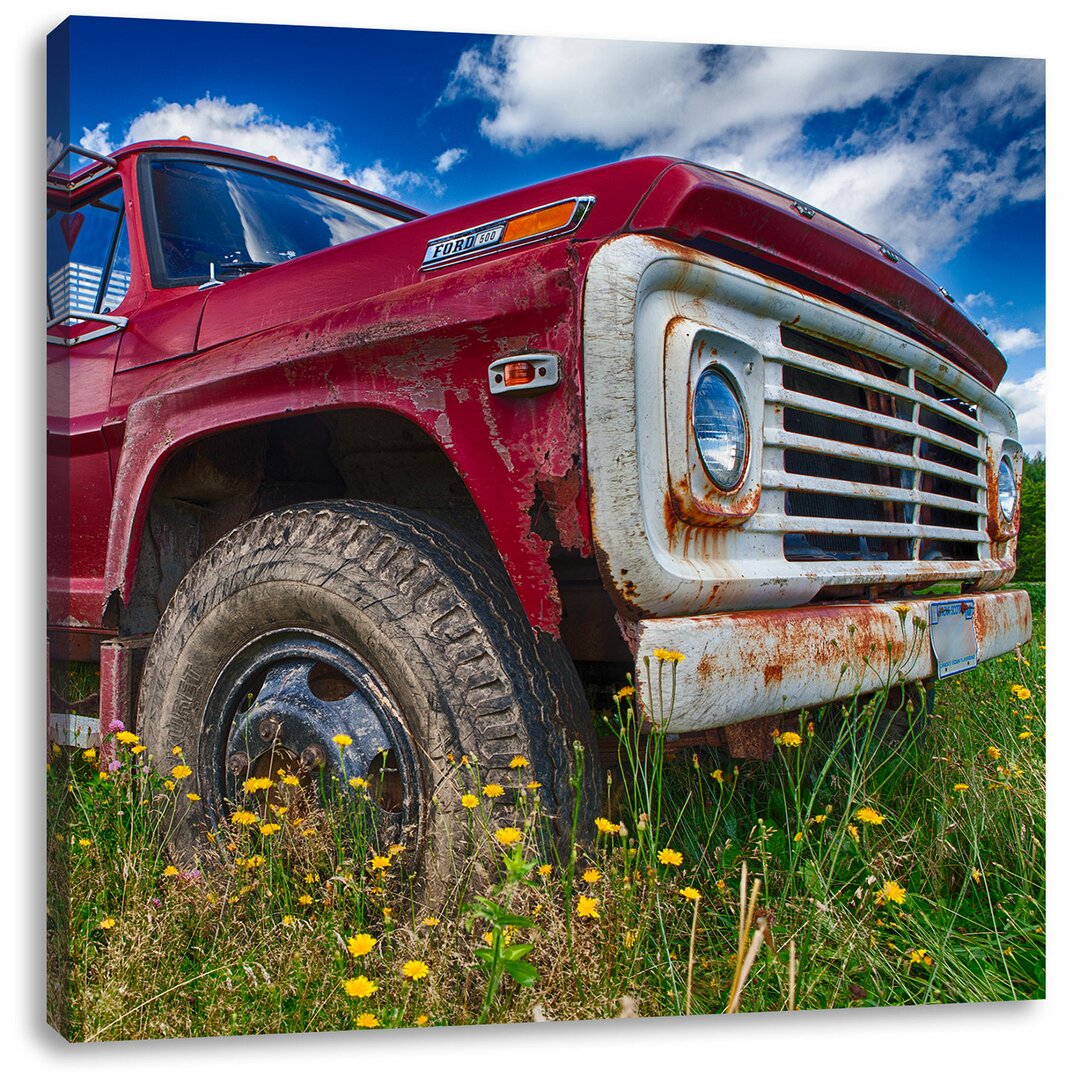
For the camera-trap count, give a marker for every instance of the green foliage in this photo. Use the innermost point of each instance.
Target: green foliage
(1031, 553)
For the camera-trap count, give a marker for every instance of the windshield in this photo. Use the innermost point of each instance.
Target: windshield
(241, 220)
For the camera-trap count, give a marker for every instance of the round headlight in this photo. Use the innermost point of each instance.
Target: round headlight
(1006, 489)
(720, 429)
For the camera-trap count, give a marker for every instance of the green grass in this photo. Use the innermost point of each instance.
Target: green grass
(259, 940)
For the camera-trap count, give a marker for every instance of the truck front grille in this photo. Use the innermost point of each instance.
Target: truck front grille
(875, 462)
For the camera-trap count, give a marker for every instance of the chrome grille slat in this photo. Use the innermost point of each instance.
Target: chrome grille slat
(868, 381)
(873, 459)
(824, 407)
(781, 481)
(776, 437)
(771, 523)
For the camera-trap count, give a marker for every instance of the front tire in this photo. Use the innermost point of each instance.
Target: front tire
(363, 621)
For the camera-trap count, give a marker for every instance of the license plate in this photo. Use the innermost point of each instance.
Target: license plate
(952, 636)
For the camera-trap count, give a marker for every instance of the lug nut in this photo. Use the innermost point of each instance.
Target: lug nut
(269, 729)
(238, 763)
(312, 758)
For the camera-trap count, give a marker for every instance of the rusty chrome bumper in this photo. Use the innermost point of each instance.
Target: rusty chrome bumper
(748, 664)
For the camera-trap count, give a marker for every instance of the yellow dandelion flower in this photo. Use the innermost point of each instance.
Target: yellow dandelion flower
(270, 828)
(430, 920)
(422, 1020)
(89, 754)
(169, 785)
(464, 759)
(819, 818)
(360, 987)
(586, 907)
(257, 783)
(292, 781)
(994, 752)
(368, 1020)
(281, 811)
(976, 876)
(177, 751)
(868, 816)
(671, 655)
(1022, 692)
(604, 826)
(853, 832)
(625, 692)
(798, 838)
(106, 924)
(310, 879)
(305, 900)
(1025, 734)
(592, 875)
(630, 938)
(469, 801)
(254, 862)
(890, 893)
(960, 787)
(170, 871)
(534, 785)
(360, 944)
(508, 836)
(357, 782)
(380, 862)
(287, 920)
(790, 738)
(127, 737)
(920, 956)
(180, 772)
(244, 817)
(387, 913)
(690, 893)
(343, 740)
(670, 857)
(519, 762)
(84, 843)
(415, 970)
(138, 748)
(493, 791)
(394, 850)
(717, 775)
(545, 870)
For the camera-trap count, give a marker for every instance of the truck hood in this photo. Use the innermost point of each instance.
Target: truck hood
(763, 229)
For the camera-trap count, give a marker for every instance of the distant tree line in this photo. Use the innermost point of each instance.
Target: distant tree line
(1031, 557)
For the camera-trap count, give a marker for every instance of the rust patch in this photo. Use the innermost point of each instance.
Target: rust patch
(773, 673)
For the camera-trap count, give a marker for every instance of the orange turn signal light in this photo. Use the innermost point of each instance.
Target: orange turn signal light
(518, 373)
(539, 221)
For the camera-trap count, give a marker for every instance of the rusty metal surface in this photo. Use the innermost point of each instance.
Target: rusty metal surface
(651, 307)
(749, 664)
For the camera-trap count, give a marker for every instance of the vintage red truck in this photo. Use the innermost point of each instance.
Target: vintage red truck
(321, 464)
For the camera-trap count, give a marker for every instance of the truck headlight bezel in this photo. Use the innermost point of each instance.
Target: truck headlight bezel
(721, 431)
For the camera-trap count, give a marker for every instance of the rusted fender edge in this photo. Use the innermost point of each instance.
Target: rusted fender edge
(430, 369)
(749, 664)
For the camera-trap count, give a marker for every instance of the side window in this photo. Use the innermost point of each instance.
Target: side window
(88, 258)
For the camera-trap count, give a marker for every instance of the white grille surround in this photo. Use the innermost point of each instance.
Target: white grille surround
(869, 455)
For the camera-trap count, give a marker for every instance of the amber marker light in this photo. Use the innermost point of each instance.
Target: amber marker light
(539, 221)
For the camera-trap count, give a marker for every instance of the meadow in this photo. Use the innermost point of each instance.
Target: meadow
(846, 871)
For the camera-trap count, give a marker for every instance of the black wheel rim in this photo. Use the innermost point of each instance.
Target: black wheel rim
(276, 708)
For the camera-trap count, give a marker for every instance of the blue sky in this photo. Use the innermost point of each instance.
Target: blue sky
(942, 156)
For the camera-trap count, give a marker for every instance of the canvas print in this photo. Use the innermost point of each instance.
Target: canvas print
(538, 529)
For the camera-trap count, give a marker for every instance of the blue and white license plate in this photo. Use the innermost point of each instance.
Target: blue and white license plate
(952, 636)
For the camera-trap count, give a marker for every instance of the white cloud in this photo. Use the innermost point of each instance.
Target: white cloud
(1028, 400)
(247, 127)
(1012, 340)
(978, 300)
(914, 174)
(449, 158)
